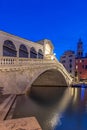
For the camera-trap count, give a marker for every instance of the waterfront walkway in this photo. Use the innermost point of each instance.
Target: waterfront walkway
(6, 103)
(29, 123)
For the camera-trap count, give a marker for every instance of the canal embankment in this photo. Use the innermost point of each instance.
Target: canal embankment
(7, 107)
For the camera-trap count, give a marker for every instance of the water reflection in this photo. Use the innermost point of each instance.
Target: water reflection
(47, 95)
(75, 116)
(56, 108)
(82, 93)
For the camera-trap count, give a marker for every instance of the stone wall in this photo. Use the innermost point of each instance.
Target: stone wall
(14, 81)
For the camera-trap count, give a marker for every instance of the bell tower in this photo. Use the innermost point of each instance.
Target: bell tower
(80, 48)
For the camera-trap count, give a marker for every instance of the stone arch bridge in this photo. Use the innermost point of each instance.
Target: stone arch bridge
(17, 75)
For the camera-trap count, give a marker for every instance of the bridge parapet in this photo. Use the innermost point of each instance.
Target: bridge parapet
(31, 62)
(11, 61)
(16, 74)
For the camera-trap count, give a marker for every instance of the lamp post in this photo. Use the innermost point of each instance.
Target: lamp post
(53, 56)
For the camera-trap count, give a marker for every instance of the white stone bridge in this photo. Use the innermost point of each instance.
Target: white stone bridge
(24, 64)
(17, 75)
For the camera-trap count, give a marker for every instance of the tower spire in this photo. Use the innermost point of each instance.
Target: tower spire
(80, 48)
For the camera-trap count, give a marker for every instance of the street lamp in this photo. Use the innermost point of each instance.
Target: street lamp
(53, 56)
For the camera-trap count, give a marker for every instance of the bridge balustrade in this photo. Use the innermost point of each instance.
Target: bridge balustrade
(7, 62)
(10, 61)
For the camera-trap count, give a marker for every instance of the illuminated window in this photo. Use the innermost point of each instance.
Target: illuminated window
(80, 61)
(76, 66)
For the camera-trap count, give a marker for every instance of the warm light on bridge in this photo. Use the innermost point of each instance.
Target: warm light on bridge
(53, 56)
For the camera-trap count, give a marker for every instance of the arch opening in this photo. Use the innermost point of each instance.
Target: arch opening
(9, 49)
(23, 52)
(40, 54)
(33, 53)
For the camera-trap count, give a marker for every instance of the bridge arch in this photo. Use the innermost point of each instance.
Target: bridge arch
(47, 83)
(61, 78)
(50, 77)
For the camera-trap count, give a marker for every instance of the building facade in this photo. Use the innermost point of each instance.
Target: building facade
(81, 69)
(80, 63)
(14, 46)
(76, 64)
(68, 61)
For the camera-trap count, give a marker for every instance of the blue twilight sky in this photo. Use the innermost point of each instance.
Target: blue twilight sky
(61, 21)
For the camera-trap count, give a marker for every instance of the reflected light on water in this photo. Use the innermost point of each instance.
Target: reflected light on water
(72, 91)
(75, 95)
(56, 120)
(62, 105)
(82, 93)
(65, 99)
(49, 115)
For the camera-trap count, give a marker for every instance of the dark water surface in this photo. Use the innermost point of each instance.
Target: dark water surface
(56, 108)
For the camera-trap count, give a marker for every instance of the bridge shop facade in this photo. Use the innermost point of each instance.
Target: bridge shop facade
(22, 62)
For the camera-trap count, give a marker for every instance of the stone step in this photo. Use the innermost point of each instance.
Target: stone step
(5, 106)
(29, 123)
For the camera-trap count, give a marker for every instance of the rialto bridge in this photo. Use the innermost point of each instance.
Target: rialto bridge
(24, 64)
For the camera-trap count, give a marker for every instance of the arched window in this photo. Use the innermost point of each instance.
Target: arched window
(33, 53)
(23, 52)
(9, 49)
(40, 54)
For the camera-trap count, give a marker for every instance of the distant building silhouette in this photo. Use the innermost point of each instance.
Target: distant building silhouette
(68, 61)
(76, 64)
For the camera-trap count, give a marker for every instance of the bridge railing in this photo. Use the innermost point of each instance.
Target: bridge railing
(13, 61)
(62, 68)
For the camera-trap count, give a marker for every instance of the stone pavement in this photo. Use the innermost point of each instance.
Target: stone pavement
(6, 105)
(29, 123)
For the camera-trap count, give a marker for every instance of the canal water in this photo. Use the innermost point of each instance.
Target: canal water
(56, 108)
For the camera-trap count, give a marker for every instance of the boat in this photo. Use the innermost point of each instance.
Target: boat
(80, 85)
